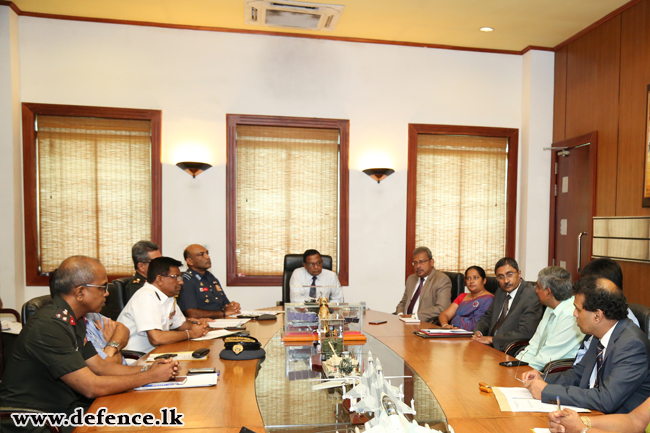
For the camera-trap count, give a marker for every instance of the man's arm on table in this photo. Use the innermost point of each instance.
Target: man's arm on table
(629, 371)
(158, 337)
(569, 421)
(90, 385)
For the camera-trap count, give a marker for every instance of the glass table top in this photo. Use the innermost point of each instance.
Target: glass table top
(288, 404)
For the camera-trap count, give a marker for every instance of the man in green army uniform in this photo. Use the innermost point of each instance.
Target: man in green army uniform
(53, 367)
(142, 253)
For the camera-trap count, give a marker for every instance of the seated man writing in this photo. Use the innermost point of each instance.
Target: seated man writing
(152, 316)
(202, 295)
(613, 375)
(515, 311)
(53, 367)
(312, 281)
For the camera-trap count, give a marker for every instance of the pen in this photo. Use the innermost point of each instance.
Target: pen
(559, 406)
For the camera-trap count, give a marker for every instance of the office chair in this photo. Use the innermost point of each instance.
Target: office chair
(515, 347)
(457, 284)
(114, 301)
(7, 340)
(33, 305)
(291, 263)
(642, 314)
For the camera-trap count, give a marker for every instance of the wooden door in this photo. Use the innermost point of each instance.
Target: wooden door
(573, 202)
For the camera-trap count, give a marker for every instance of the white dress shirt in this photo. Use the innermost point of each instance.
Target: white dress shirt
(149, 309)
(327, 285)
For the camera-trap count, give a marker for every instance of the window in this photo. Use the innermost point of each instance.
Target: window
(92, 185)
(462, 186)
(287, 182)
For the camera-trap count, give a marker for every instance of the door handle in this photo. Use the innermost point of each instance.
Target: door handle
(580, 248)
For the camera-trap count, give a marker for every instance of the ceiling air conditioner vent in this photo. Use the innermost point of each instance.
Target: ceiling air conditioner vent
(292, 14)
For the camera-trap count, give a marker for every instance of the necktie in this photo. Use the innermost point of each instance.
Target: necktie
(416, 295)
(502, 318)
(312, 289)
(547, 329)
(599, 362)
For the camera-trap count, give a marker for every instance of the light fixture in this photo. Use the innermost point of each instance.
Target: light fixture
(193, 168)
(379, 174)
(486, 29)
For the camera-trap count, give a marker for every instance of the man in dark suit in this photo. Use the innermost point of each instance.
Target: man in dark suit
(428, 291)
(515, 311)
(142, 253)
(613, 375)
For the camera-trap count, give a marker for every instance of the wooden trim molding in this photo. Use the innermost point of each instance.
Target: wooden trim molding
(511, 199)
(263, 32)
(232, 121)
(29, 112)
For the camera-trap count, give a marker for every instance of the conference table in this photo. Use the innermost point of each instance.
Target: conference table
(451, 367)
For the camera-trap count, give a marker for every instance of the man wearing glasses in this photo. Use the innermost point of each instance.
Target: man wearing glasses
(152, 316)
(53, 367)
(515, 311)
(202, 295)
(428, 291)
(312, 281)
(142, 253)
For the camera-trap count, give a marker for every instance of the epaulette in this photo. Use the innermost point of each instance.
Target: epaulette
(65, 316)
(187, 276)
(136, 281)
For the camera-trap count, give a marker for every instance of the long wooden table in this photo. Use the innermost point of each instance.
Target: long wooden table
(451, 367)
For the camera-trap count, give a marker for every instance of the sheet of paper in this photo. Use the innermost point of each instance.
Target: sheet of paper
(194, 381)
(11, 327)
(256, 313)
(214, 334)
(521, 400)
(409, 320)
(224, 323)
(541, 430)
(180, 356)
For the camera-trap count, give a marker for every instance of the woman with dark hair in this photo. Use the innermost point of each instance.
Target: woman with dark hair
(467, 308)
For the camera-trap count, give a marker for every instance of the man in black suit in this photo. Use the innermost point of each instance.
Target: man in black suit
(515, 311)
(613, 375)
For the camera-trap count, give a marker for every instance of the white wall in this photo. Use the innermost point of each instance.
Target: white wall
(197, 78)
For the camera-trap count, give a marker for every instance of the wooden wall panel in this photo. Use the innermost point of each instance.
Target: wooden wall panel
(559, 96)
(593, 63)
(635, 282)
(635, 77)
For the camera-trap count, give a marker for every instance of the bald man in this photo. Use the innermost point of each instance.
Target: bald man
(202, 295)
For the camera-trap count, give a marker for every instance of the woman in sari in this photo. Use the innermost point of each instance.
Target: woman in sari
(467, 308)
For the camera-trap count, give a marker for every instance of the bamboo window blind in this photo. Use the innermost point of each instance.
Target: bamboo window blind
(94, 189)
(287, 195)
(461, 199)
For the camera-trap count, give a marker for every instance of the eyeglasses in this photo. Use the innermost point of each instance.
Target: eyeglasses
(315, 264)
(104, 286)
(178, 277)
(517, 371)
(421, 262)
(509, 276)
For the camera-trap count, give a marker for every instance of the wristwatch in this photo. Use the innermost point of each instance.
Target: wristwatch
(114, 344)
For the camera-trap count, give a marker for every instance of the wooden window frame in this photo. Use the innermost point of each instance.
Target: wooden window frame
(511, 134)
(232, 121)
(29, 112)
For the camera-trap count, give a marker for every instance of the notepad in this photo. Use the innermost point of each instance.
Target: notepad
(516, 399)
(410, 320)
(195, 381)
(225, 323)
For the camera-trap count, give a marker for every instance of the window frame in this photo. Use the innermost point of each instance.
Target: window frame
(512, 134)
(29, 112)
(232, 121)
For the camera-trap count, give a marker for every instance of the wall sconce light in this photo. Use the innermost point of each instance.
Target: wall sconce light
(379, 174)
(193, 168)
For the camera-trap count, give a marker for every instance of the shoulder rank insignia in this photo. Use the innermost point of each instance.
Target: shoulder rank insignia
(187, 276)
(136, 281)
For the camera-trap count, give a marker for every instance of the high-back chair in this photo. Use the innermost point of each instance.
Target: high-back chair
(291, 263)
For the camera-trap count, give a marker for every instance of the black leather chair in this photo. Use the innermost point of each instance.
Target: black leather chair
(121, 283)
(492, 284)
(115, 300)
(5, 419)
(7, 340)
(557, 366)
(642, 314)
(457, 284)
(291, 263)
(33, 305)
(515, 347)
